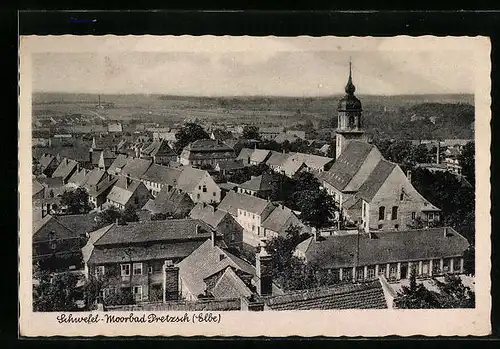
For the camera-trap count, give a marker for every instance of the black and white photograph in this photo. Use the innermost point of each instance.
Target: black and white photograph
(255, 176)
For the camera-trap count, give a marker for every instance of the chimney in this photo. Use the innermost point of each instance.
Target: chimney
(212, 237)
(408, 175)
(128, 181)
(264, 271)
(170, 281)
(437, 152)
(446, 232)
(315, 233)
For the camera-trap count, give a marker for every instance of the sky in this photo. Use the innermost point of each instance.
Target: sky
(262, 66)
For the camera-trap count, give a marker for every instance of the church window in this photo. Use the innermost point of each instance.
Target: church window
(394, 213)
(381, 213)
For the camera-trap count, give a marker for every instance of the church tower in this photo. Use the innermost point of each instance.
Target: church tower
(349, 118)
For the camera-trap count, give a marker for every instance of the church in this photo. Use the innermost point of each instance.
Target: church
(372, 193)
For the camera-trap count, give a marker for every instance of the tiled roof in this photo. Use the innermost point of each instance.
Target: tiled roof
(79, 223)
(65, 168)
(162, 174)
(45, 160)
(121, 192)
(149, 231)
(42, 227)
(118, 163)
(264, 182)
(93, 237)
(230, 286)
(369, 295)
(234, 201)
(207, 214)
(36, 187)
(79, 178)
(277, 158)
(206, 261)
(94, 177)
(313, 161)
(222, 135)
(158, 148)
(135, 167)
(280, 219)
(209, 145)
(228, 186)
(95, 156)
(101, 187)
(347, 165)
(159, 250)
(292, 165)
(190, 178)
(245, 154)
(259, 155)
(375, 180)
(170, 202)
(383, 247)
(230, 165)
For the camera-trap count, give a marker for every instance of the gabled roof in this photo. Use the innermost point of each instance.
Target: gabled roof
(205, 261)
(245, 154)
(277, 158)
(368, 295)
(123, 190)
(208, 214)
(79, 223)
(158, 148)
(94, 177)
(101, 187)
(65, 168)
(221, 135)
(375, 180)
(280, 219)
(259, 155)
(118, 163)
(234, 201)
(292, 165)
(264, 182)
(228, 165)
(313, 161)
(162, 174)
(348, 164)
(135, 167)
(36, 187)
(339, 251)
(208, 145)
(169, 202)
(151, 231)
(45, 160)
(190, 178)
(79, 178)
(52, 223)
(93, 237)
(230, 285)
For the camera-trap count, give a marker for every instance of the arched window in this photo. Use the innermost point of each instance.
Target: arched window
(351, 121)
(394, 213)
(381, 213)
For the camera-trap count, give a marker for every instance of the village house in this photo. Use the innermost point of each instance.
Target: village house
(260, 186)
(171, 202)
(140, 256)
(117, 165)
(278, 222)
(159, 152)
(269, 133)
(57, 241)
(128, 193)
(38, 190)
(365, 256)
(102, 142)
(102, 159)
(276, 160)
(135, 168)
(221, 135)
(48, 164)
(286, 137)
(157, 177)
(228, 166)
(222, 222)
(98, 191)
(199, 185)
(65, 169)
(249, 211)
(206, 152)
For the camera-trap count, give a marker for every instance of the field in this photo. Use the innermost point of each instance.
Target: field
(379, 111)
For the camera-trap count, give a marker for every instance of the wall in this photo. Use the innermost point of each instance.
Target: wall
(197, 195)
(229, 227)
(142, 194)
(389, 196)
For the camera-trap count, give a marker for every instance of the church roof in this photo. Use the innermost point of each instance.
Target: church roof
(375, 180)
(347, 165)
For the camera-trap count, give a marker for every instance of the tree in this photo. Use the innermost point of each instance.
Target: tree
(305, 181)
(55, 292)
(123, 296)
(158, 217)
(251, 132)
(454, 294)
(189, 133)
(467, 160)
(106, 217)
(92, 291)
(129, 215)
(317, 207)
(416, 296)
(76, 202)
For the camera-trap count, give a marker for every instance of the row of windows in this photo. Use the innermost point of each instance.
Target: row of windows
(137, 269)
(381, 213)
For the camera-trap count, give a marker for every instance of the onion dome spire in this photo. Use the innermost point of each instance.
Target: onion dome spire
(350, 88)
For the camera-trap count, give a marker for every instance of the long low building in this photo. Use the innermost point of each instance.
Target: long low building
(364, 256)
